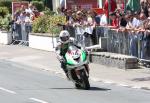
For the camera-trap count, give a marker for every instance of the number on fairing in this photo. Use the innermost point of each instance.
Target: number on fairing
(75, 52)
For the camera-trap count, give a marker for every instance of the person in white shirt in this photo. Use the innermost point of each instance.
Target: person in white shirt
(129, 19)
(28, 19)
(29, 9)
(21, 18)
(28, 22)
(90, 23)
(103, 21)
(136, 22)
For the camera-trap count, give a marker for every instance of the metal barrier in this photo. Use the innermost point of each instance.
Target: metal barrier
(129, 43)
(118, 42)
(20, 34)
(83, 36)
(122, 42)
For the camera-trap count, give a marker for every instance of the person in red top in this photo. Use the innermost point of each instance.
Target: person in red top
(112, 4)
(115, 21)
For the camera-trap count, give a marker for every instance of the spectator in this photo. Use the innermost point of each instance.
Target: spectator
(13, 28)
(146, 38)
(146, 23)
(69, 17)
(113, 17)
(22, 8)
(136, 22)
(148, 13)
(129, 18)
(30, 9)
(90, 18)
(123, 21)
(90, 27)
(28, 19)
(148, 3)
(112, 4)
(21, 18)
(16, 15)
(144, 7)
(103, 21)
(28, 23)
(58, 11)
(79, 18)
(97, 19)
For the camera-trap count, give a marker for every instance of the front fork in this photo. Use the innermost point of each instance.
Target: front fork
(86, 69)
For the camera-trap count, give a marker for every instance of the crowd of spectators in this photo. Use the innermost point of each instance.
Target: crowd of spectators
(25, 14)
(84, 21)
(117, 19)
(23, 18)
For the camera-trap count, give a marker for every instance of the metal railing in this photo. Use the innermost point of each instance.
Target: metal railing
(122, 42)
(20, 33)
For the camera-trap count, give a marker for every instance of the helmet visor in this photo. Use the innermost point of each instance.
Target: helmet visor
(64, 38)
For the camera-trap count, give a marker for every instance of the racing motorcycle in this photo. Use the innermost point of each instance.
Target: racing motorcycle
(76, 63)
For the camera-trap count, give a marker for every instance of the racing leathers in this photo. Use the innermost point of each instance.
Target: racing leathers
(61, 50)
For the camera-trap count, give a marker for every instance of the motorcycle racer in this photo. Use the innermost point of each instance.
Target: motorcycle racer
(62, 47)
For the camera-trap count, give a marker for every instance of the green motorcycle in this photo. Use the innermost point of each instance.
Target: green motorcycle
(77, 65)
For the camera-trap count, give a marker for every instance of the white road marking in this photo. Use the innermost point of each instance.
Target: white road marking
(109, 82)
(38, 100)
(136, 87)
(6, 90)
(124, 85)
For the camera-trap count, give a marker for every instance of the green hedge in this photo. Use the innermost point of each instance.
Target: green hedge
(47, 11)
(4, 22)
(48, 24)
(4, 11)
(6, 4)
(38, 5)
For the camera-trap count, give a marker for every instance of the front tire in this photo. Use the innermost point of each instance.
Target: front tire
(84, 81)
(77, 86)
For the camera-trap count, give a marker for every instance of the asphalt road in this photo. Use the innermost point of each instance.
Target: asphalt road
(24, 84)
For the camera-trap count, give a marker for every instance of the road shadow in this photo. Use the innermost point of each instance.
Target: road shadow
(98, 89)
(91, 89)
(141, 79)
(62, 88)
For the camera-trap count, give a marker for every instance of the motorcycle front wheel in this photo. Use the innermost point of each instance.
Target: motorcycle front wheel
(77, 86)
(84, 81)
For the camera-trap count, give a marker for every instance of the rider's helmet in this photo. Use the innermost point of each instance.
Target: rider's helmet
(64, 36)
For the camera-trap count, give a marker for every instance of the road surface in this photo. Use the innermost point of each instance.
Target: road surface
(24, 84)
